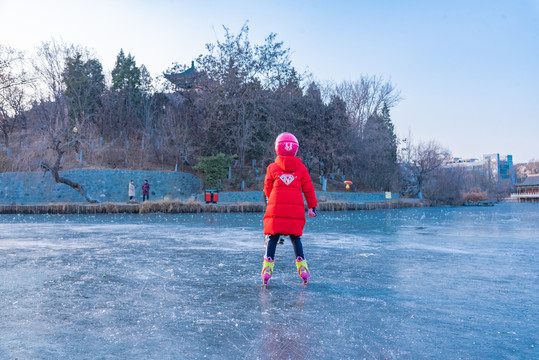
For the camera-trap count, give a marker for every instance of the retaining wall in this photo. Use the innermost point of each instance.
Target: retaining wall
(101, 185)
(111, 186)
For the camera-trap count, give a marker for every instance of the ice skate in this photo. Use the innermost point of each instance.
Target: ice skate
(267, 270)
(303, 270)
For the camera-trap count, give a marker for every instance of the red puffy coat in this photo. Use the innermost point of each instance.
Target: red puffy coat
(286, 178)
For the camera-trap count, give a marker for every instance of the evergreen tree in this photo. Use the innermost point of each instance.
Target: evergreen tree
(338, 139)
(84, 84)
(393, 143)
(126, 94)
(126, 75)
(309, 127)
(379, 153)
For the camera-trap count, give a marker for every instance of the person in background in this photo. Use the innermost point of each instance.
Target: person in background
(131, 190)
(145, 191)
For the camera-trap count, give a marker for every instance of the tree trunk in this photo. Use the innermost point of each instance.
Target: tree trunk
(58, 179)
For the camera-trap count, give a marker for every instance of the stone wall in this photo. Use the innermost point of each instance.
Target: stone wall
(101, 185)
(112, 186)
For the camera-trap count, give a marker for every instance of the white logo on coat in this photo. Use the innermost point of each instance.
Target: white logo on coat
(287, 178)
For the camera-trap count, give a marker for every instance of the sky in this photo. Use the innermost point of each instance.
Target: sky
(467, 70)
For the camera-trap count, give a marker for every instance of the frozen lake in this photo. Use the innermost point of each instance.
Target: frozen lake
(428, 283)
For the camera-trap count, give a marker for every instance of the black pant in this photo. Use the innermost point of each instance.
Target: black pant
(272, 245)
(145, 197)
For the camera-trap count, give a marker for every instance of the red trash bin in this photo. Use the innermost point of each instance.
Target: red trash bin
(211, 196)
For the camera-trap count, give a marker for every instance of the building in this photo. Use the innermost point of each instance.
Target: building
(494, 166)
(189, 79)
(528, 190)
(466, 164)
(500, 167)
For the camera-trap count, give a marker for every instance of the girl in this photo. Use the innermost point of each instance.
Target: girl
(285, 181)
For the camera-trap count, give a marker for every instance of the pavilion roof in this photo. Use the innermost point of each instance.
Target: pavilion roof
(531, 180)
(184, 78)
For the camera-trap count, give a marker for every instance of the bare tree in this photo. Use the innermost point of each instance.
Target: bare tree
(13, 92)
(177, 126)
(427, 158)
(533, 166)
(445, 186)
(239, 80)
(10, 67)
(59, 149)
(366, 97)
(51, 114)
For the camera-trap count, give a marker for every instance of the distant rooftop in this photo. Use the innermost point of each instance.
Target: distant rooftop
(184, 80)
(531, 180)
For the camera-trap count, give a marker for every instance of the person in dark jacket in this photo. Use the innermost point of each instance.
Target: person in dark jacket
(145, 191)
(287, 180)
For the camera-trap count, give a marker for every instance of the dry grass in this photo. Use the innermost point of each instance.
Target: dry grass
(171, 206)
(475, 196)
(190, 206)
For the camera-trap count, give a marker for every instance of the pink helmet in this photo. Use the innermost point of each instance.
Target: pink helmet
(286, 144)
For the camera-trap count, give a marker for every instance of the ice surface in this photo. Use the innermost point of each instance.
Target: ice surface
(441, 283)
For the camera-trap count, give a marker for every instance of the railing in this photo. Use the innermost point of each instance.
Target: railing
(528, 197)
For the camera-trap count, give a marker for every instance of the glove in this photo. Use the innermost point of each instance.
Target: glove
(312, 212)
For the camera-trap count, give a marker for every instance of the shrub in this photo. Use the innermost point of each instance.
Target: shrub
(476, 196)
(214, 169)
